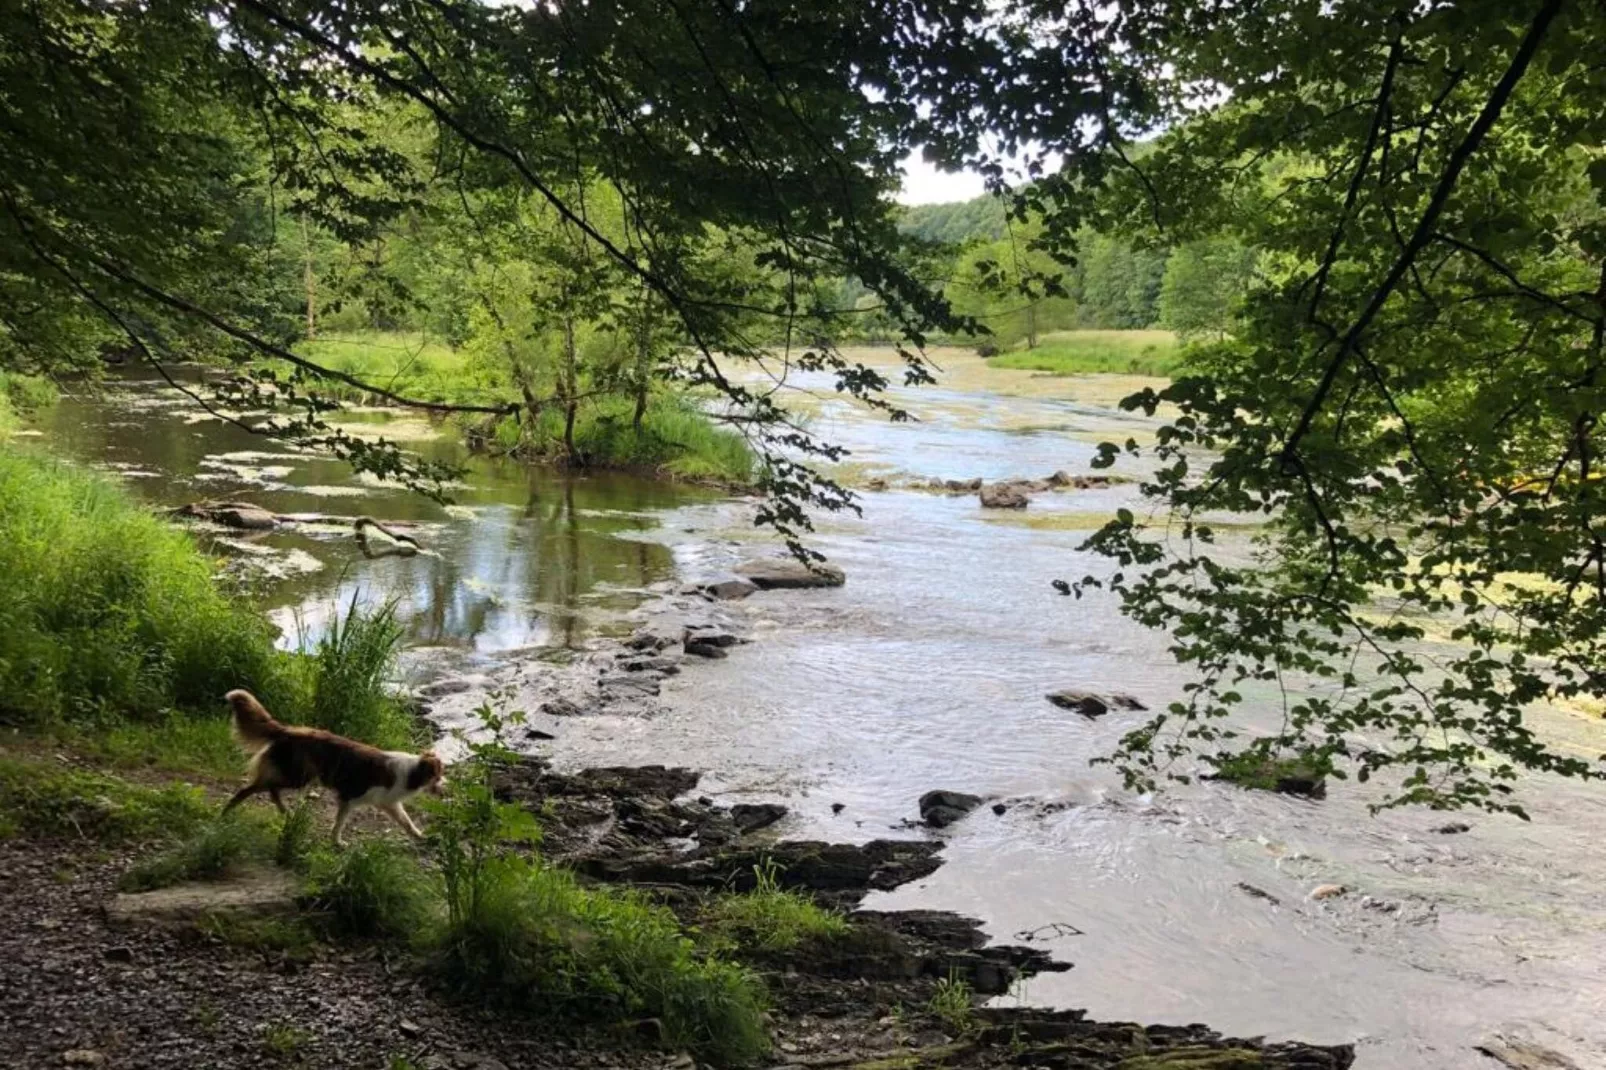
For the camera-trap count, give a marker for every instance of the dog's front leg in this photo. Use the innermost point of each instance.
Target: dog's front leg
(342, 815)
(402, 818)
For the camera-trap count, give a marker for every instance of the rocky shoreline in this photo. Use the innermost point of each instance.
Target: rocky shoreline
(860, 1003)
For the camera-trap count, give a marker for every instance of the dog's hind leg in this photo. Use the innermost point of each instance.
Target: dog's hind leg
(401, 817)
(278, 800)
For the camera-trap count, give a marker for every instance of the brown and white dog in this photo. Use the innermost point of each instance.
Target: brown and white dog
(286, 757)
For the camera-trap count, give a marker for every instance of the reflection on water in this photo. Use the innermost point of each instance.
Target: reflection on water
(525, 556)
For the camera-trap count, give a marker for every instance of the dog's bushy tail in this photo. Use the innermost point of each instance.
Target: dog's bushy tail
(254, 726)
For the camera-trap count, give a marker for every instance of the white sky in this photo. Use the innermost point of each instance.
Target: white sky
(924, 184)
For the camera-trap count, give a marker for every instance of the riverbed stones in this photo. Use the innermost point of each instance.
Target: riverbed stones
(1328, 891)
(1003, 496)
(783, 573)
(1091, 705)
(939, 809)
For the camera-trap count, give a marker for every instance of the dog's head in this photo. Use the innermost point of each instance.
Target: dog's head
(431, 773)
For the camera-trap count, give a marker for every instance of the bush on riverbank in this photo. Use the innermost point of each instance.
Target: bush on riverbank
(676, 438)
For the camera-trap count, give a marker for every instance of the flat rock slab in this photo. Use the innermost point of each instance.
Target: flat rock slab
(259, 893)
(788, 572)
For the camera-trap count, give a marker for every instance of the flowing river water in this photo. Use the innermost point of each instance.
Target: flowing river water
(928, 670)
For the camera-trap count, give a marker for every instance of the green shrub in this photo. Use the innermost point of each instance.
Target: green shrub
(222, 847)
(377, 889)
(38, 799)
(530, 936)
(676, 437)
(107, 611)
(771, 918)
(350, 666)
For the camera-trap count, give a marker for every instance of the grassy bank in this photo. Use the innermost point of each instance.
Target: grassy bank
(676, 438)
(117, 641)
(1091, 352)
(117, 633)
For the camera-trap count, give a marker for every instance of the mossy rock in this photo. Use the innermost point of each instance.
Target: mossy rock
(1287, 776)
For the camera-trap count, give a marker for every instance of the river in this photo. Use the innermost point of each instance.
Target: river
(928, 670)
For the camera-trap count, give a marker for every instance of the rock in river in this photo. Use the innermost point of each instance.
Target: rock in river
(939, 809)
(1090, 705)
(1003, 496)
(727, 588)
(782, 572)
(750, 817)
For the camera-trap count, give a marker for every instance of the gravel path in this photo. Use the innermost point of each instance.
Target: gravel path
(75, 991)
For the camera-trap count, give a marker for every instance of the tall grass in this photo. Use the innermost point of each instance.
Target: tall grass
(108, 612)
(350, 667)
(1098, 352)
(377, 889)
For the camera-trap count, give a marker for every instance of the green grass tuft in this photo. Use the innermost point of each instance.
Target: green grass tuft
(1098, 352)
(954, 1001)
(677, 438)
(219, 849)
(350, 667)
(771, 918)
(40, 800)
(377, 889)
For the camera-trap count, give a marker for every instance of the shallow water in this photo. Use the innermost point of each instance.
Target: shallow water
(928, 670)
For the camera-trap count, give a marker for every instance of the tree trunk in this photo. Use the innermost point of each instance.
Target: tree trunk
(570, 401)
(309, 278)
(643, 359)
(1031, 325)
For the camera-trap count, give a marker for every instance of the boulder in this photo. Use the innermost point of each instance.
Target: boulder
(709, 635)
(1062, 478)
(704, 648)
(939, 809)
(788, 572)
(1003, 496)
(727, 588)
(750, 817)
